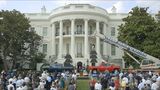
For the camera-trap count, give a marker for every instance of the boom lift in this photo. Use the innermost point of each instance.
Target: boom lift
(149, 62)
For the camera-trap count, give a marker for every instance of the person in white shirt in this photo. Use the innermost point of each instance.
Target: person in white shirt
(74, 76)
(154, 86)
(10, 80)
(112, 88)
(120, 75)
(125, 79)
(44, 75)
(19, 88)
(148, 81)
(26, 80)
(154, 77)
(10, 86)
(150, 73)
(53, 87)
(63, 75)
(141, 85)
(158, 79)
(24, 87)
(41, 85)
(19, 82)
(14, 80)
(130, 78)
(98, 86)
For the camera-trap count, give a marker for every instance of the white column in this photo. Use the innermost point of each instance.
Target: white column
(72, 39)
(86, 55)
(60, 39)
(53, 39)
(97, 39)
(104, 43)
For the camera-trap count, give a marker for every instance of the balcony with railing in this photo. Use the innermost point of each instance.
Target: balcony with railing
(79, 32)
(66, 33)
(90, 32)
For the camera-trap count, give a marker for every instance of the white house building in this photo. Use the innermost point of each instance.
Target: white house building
(68, 29)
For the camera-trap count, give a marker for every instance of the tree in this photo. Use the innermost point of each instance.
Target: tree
(93, 57)
(68, 60)
(141, 32)
(19, 42)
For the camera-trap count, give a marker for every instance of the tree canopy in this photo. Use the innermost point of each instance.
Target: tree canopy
(141, 31)
(19, 42)
(68, 60)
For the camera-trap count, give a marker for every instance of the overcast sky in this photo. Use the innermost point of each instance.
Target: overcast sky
(123, 6)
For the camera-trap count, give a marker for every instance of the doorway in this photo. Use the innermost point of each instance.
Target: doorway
(79, 66)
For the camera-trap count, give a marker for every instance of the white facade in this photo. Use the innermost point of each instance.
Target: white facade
(68, 29)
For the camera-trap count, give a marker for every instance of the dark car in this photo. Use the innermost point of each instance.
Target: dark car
(60, 67)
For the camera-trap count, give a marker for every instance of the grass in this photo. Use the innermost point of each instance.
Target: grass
(83, 84)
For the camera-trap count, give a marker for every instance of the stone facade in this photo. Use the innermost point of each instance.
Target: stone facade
(68, 29)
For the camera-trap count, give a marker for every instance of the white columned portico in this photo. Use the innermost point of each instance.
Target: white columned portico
(86, 55)
(72, 39)
(97, 39)
(60, 39)
(53, 39)
(104, 43)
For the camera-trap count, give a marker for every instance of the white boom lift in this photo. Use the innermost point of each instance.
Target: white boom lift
(149, 61)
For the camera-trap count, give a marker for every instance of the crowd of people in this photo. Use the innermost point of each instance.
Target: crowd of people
(126, 81)
(32, 80)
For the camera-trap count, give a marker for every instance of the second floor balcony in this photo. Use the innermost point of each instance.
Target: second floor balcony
(79, 32)
(76, 32)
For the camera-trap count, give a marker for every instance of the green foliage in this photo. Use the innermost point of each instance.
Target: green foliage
(39, 57)
(141, 31)
(18, 41)
(68, 60)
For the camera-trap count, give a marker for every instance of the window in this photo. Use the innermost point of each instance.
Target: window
(101, 30)
(44, 48)
(113, 31)
(67, 30)
(45, 31)
(113, 50)
(67, 48)
(90, 29)
(57, 31)
(79, 29)
(57, 49)
(101, 48)
(79, 49)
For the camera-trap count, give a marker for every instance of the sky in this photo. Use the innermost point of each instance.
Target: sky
(34, 6)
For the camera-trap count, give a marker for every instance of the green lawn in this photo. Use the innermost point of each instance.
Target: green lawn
(83, 84)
